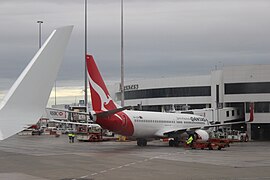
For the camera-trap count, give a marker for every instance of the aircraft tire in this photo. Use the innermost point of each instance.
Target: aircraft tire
(141, 142)
(171, 143)
(174, 143)
(144, 142)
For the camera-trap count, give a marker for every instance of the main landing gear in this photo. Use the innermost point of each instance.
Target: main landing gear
(174, 142)
(141, 142)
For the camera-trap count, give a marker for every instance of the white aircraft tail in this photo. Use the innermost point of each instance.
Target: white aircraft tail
(25, 102)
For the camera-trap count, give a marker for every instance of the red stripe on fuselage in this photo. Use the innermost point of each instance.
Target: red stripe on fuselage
(119, 123)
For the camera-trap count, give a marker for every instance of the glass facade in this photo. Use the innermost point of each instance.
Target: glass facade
(169, 107)
(247, 88)
(167, 92)
(259, 107)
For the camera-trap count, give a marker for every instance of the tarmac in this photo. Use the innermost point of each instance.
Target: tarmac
(49, 158)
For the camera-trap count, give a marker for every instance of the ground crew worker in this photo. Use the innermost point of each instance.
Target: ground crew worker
(190, 141)
(70, 137)
(73, 137)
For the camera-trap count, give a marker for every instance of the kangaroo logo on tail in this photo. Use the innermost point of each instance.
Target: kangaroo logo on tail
(100, 96)
(116, 119)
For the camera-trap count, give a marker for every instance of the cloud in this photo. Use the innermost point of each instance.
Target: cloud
(162, 38)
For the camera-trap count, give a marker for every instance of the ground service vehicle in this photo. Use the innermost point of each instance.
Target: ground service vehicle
(89, 133)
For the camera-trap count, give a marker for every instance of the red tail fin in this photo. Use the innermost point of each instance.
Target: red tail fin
(100, 96)
(109, 115)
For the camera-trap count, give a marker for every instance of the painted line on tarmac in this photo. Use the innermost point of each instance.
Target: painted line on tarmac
(83, 177)
(254, 178)
(127, 165)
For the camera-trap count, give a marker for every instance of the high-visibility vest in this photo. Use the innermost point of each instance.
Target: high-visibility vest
(69, 135)
(73, 135)
(190, 139)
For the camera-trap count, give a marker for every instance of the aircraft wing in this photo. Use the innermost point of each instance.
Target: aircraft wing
(51, 119)
(65, 110)
(169, 130)
(76, 123)
(173, 130)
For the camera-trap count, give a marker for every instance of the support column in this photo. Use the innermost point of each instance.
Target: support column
(249, 131)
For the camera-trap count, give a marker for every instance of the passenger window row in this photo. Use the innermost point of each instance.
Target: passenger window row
(153, 121)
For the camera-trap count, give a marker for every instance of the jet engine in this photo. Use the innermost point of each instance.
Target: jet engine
(202, 134)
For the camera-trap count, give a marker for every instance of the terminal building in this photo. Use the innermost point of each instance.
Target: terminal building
(236, 87)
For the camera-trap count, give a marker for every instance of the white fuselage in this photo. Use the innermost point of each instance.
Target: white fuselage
(153, 124)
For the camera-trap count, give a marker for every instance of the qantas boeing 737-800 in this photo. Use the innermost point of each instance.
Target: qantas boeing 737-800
(139, 124)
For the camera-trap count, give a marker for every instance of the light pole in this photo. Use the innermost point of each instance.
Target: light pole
(85, 69)
(39, 45)
(122, 56)
(39, 34)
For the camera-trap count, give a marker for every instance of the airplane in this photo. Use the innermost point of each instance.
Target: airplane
(142, 125)
(25, 102)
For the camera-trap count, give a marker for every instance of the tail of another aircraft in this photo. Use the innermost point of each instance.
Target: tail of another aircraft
(25, 102)
(100, 96)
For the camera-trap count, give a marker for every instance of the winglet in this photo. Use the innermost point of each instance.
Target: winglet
(26, 100)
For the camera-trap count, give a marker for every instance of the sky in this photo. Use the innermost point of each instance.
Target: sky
(162, 38)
